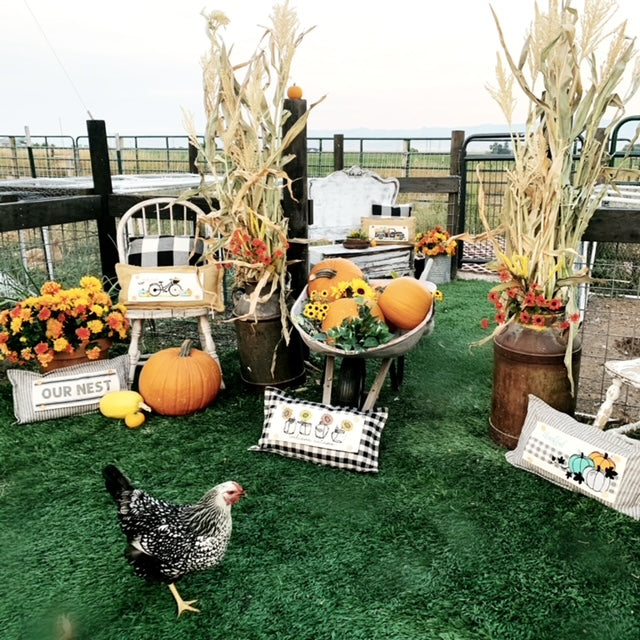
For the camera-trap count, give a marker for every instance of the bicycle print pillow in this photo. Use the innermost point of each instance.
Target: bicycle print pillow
(175, 287)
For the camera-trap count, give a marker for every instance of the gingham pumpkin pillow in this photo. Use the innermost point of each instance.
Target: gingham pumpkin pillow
(604, 465)
(338, 437)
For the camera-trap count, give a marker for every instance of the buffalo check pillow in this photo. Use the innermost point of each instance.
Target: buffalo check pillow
(165, 251)
(338, 437)
(392, 210)
(604, 465)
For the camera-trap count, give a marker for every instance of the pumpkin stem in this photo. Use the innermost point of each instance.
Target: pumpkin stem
(185, 349)
(323, 273)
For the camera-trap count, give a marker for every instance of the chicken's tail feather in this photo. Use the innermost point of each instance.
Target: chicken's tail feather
(116, 482)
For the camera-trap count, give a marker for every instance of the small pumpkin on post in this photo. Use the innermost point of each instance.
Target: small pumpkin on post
(294, 92)
(179, 381)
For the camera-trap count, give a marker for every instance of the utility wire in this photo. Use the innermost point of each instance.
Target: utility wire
(55, 55)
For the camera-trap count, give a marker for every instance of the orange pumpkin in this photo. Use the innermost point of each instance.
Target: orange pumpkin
(294, 92)
(602, 461)
(328, 273)
(405, 303)
(180, 380)
(348, 308)
(339, 310)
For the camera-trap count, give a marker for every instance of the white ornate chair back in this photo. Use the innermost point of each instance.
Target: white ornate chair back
(344, 197)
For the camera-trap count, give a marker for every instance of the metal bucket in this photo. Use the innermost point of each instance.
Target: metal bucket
(529, 361)
(266, 360)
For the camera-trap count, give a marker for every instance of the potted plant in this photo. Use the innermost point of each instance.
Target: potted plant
(357, 239)
(62, 326)
(437, 244)
(551, 194)
(245, 155)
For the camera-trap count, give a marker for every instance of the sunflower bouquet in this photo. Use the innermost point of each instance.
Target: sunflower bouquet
(61, 320)
(435, 242)
(346, 317)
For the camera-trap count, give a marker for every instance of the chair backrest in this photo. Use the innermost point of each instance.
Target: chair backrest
(167, 218)
(344, 197)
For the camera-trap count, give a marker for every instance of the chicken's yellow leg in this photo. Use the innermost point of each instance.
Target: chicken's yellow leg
(183, 605)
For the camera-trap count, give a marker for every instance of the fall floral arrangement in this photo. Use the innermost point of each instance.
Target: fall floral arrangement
(435, 242)
(355, 326)
(551, 195)
(516, 299)
(61, 320)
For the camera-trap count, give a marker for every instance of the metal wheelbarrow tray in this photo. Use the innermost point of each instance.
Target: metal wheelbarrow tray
(352, 371)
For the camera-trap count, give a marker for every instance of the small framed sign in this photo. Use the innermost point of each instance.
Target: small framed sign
(390, 229)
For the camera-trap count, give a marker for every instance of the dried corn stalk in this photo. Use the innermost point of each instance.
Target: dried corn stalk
(244, 151)
(573, 106)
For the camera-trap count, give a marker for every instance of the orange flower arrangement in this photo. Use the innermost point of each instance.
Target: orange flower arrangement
(60, 320)
(435, 242)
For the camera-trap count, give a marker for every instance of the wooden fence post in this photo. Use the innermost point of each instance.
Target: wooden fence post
(338, 152)
(295, 208)
(101, 171)
(455, 169)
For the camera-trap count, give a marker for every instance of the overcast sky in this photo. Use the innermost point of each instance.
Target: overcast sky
(404, 64)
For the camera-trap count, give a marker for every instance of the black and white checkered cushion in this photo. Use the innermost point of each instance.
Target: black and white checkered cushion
(392, 210)
(319, 433)
(165, 251)
(569, 453)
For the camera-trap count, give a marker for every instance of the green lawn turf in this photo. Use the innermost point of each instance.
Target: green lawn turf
(447, 542)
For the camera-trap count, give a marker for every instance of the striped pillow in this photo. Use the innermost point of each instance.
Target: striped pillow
(74, 390)
(333, 436)
(604, 465)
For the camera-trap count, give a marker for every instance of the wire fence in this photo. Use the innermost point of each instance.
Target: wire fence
(612, 319)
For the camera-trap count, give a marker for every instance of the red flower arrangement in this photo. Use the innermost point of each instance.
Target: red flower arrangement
(517, 300)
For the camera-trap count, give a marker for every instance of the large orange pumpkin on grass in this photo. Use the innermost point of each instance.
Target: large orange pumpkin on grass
(329, 273)
(405, 303)
(180, 380)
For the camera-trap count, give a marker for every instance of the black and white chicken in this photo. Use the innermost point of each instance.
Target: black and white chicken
(167, 541)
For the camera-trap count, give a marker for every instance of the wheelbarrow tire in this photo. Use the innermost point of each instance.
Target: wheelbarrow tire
(351, 381)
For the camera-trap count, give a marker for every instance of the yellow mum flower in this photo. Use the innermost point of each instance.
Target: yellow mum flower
(95, 326)
(60, 344)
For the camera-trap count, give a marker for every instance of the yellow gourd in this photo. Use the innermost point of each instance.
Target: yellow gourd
(135, 420)
(120, 404)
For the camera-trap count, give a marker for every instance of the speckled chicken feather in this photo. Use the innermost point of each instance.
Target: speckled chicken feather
(166, 540)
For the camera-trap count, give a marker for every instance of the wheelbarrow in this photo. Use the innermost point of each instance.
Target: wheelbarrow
(351, 380)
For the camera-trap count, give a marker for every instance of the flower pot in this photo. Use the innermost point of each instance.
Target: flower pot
(79, 355)
(356, 243)
(265, 357)
(440, 271)
(529, 360)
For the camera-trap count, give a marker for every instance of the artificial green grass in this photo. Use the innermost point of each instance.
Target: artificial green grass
(447, 542)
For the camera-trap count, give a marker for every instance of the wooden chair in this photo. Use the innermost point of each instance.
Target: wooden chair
(623, 372)
(143, 224)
